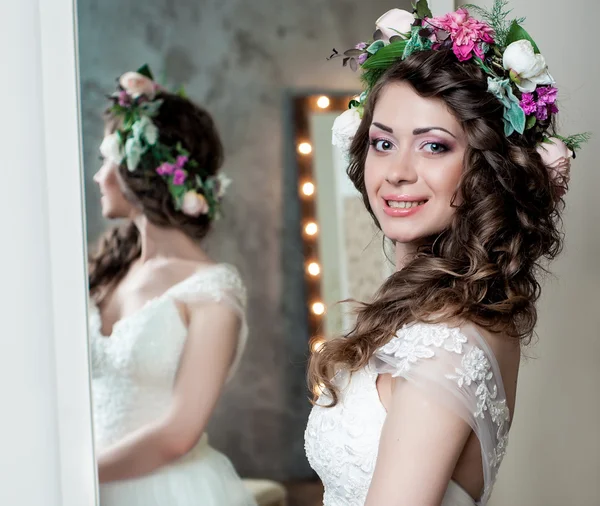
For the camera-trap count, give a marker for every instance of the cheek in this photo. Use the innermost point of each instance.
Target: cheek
(108, 178)
(372, 176)
(444, 182)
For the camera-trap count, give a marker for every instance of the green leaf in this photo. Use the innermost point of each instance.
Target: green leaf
(181, 92)
(416, 43)
(574, 142)
(145, 71)
(516, 116)
(481, 64)
(386, 56)
(531, 121)
(422, 9)
(517, 32)
(375, 47)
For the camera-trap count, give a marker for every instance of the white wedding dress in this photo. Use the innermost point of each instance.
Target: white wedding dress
(454, 365)
(133, 371)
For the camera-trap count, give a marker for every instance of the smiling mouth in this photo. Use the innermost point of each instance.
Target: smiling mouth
(403, 204)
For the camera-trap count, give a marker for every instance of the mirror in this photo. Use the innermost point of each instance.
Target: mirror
(343, 254)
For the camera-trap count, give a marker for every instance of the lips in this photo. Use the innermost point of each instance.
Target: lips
(401, 206)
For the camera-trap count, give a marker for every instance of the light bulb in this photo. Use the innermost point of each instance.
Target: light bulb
(318, 308)
(305, 148)
(323, 102)
(308, 189)
(314, 269)
(311, 228)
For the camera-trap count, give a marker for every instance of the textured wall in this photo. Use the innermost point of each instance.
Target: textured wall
(239, 59)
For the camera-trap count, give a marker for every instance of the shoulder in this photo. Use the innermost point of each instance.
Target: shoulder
(215, 282)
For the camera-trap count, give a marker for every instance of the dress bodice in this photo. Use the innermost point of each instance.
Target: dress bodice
(453, 365)
(133, 369)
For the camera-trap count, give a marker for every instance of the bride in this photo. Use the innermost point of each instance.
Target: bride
(456, 157)
(167, 324)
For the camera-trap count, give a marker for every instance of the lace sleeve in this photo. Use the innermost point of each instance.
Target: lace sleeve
(457, 368)
(223, 284)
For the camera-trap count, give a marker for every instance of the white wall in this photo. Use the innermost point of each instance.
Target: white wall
(28, 436)
(554, 453)
(46, 456)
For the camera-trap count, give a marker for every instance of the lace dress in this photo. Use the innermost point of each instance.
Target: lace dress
(455, 365)
(133, 372)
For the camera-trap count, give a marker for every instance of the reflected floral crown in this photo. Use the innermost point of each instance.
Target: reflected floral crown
(136, 102)
(517, 74)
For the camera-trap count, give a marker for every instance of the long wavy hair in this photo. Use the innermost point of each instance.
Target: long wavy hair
(485, 266)
(178, 121)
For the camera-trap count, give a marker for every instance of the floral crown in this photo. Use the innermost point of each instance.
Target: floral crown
(517, 74)
(136, 102)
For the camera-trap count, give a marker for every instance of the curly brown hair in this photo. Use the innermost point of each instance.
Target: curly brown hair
(484, 267)
(178, 121)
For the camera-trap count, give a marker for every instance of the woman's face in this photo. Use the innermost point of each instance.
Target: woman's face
(414, 164)
(114, 204)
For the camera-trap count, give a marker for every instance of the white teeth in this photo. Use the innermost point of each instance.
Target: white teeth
(404, 204)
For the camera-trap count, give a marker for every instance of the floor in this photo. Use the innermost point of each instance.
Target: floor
(306, 493)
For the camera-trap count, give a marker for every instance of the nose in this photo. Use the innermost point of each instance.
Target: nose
(401, 169)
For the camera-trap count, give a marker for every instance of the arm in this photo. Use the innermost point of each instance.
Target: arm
(420, 444)
(210, 347)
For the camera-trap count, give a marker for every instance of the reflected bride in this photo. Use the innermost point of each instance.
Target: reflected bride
(167, 324)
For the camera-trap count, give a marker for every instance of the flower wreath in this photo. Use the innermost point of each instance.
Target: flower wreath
(136, 102)
(517, 73)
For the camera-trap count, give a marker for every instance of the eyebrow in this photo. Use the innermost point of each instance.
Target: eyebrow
(416, 131)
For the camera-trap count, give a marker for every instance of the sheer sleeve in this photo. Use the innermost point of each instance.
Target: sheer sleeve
(458, 369)
(222, 284)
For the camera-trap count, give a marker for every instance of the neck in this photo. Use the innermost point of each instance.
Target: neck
(404, 253)
(161, 242)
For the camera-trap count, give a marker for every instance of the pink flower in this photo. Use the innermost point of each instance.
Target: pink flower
(362, 58)
(467, 33)
(528, 104)
(124, 99)
(181, 161)
(179, 177)
(361, 46)
(194, 204)
(546, 94)
(165, 169)
(556, 156)
(541, 113)
(137, 84)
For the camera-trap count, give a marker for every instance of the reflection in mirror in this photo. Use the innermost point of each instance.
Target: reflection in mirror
(167, 322)
(343, 253)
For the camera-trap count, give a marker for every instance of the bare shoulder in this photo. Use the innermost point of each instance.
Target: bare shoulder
(163, 274)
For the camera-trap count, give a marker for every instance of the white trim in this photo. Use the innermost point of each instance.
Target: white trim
(67, 250)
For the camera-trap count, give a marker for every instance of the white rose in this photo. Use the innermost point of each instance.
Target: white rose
(530, 68)
(112, 149)
(344, 129)
(194, 204)
(144, 127)
(395, 22)
(223, 182)
(136, 84)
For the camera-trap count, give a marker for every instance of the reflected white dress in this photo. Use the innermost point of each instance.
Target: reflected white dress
(454, 365)
(133, 372)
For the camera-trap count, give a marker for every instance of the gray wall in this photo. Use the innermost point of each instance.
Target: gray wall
(238, 58)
